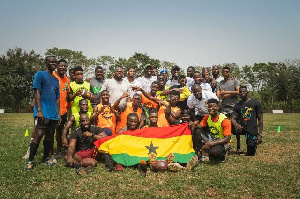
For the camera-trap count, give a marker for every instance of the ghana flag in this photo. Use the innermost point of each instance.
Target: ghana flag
(129, 147)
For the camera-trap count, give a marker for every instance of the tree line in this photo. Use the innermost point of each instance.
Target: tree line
(276, 85)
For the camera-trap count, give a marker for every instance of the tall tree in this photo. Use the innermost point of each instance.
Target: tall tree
(17, 69)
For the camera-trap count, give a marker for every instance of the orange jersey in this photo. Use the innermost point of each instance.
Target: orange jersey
(64, 89)
(162, 121)
(123, 115)
(106, 119)
(149, 103)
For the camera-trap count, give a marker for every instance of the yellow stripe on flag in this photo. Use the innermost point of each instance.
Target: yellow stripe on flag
(137, 146)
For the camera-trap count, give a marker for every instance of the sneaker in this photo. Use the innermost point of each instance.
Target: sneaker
(59, 156)
(119, 167)
(190, 166)
(29, 166)
(239, 152)
(170, 158)
(50, 161)
(26, 156)
(84, 170)
(175, 167)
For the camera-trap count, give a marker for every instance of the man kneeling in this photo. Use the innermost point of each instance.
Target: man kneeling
(81, 144)
(216, 137)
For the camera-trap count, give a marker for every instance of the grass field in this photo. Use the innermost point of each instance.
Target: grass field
(273, 173)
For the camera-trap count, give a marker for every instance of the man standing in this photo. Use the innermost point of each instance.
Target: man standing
(229, 89)
(189, 76)
(96, 85)
(147, 80)
(133, 82)
(46, 109)
(80, 89)
(244, 118)
(215, 82)
(116, 86)
(175, 76)
(64, 89)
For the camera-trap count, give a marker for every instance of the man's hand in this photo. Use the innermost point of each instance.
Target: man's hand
(238, 128)
(206, 146)
(87, 134)
(40, 115)
(70, 161)
(259, 139)
(64, 142)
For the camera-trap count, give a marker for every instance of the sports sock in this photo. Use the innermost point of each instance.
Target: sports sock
(47, 145)
(33, 150)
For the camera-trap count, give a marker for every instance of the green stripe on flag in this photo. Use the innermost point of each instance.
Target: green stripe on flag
(128, 160)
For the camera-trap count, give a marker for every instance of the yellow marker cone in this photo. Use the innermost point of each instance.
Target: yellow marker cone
(26, 133)
(278, 129)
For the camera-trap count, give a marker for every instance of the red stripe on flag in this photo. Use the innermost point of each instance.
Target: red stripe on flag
(154, 132)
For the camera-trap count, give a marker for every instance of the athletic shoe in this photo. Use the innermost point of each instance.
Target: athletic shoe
(50, 161)
(29, 166)
(84, 170)
(26, 156)
(175, 167)
(119, 167)
(190, 166)
(239, 152)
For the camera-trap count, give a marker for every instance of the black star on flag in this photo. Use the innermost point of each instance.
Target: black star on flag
(151, 148)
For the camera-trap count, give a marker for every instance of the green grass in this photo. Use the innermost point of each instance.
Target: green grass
(273, 173)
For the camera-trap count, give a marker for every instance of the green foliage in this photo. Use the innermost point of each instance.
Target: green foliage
(17, 69)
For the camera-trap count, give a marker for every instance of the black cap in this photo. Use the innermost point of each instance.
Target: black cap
(175, 68)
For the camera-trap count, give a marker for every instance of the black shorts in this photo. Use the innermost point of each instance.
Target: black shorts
(64, 119)
(45, 123)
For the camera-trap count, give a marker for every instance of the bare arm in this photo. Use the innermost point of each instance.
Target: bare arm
(260, 127)
(70, 152)
(37, 97)
(68, 125)
(116, 104)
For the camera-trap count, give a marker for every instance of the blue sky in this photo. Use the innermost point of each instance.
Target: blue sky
(184, 32)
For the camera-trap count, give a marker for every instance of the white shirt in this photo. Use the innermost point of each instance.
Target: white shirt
(116, 89)
(200, 106)
(146, 82)
(172, 82)
(134, 83)
(189, 82)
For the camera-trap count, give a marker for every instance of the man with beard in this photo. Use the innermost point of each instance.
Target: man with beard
(116, 86)
(133, 82)
(74, 120)
(197, 102)
(244, 118)
(46, 110)
(96, 84)
(81, 144)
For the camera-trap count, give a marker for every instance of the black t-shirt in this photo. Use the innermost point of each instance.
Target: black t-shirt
(83, 142)
(246, 113)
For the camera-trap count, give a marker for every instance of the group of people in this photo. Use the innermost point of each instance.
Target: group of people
(80, 111)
